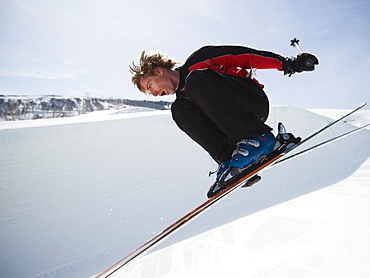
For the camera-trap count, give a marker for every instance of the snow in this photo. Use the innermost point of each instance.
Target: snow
(78, 194)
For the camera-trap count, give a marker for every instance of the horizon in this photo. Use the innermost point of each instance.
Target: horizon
(69, 48)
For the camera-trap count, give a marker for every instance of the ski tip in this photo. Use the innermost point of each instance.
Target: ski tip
(362, 104)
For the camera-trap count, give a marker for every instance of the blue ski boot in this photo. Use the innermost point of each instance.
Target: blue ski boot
(222, 169)
(250, 150)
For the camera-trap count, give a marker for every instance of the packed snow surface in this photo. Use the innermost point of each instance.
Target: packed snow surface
(78, 194)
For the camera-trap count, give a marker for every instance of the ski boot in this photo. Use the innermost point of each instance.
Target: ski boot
(222, 168)
(288, 140)
(250, 150)
(284, 141)
(250, 153)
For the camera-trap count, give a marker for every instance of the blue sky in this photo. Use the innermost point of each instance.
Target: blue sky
(76, 47)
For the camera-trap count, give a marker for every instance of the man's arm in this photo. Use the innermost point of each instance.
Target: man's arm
(245, 61)
(218, 57)
(209, 52)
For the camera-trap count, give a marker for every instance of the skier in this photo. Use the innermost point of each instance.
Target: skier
(219, 103)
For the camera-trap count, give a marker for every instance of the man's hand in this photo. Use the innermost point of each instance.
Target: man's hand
(303, 62)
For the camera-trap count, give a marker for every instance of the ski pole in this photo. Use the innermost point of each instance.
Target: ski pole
(295, 43)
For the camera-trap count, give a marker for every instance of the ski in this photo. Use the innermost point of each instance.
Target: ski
(271, 161)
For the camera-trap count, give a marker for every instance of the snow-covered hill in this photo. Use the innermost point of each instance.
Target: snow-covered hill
(78, 194)
(24, 107)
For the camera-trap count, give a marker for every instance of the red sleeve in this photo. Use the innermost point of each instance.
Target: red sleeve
(246, 61)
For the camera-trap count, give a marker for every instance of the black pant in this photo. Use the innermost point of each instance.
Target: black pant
(218, 110)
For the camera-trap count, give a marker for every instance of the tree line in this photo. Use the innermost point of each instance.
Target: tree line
(30, 108)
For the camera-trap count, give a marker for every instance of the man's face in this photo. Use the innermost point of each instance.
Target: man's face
(159, 84)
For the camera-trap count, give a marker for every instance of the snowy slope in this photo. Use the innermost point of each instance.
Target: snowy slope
(78, 195)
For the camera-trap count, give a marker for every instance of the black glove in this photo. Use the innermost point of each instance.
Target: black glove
(303, 62)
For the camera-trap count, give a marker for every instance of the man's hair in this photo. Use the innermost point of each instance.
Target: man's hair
(147, 64)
